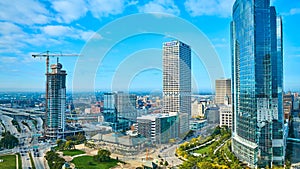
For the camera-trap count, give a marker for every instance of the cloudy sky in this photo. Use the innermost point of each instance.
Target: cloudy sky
(30, 27)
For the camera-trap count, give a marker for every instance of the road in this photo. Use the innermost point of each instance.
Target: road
(169, 155)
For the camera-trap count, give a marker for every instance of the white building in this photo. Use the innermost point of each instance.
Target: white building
(177, 81)
(197, 109)
(225, 116)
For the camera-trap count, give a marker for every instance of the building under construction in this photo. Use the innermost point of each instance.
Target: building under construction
(55, 122)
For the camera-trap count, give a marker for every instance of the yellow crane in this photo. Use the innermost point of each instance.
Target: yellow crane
(47, 55)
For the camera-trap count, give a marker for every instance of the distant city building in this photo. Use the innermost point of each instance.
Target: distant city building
(197, 109)
(177, 81)
(126, 105)
(159, 127)
(212, 115)
(288, 100)
(223, 91)
(197, 124)
(110, 109)
(257, 75)
(225, 116)
(55, 124)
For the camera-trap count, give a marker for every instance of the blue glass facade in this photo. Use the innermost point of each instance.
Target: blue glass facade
(256, 46)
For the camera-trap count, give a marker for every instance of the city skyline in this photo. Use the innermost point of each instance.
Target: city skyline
(56, 29)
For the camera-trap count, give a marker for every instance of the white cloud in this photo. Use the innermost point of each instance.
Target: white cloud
(160, 6)
(104, 8)
(24, 12)
(69, 10)
(69, 32)
(8, 28)
(7, 59)
(57, 30)
(294, 11)
(220, 8)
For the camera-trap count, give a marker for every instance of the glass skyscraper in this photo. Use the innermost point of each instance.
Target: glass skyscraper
(257, 78)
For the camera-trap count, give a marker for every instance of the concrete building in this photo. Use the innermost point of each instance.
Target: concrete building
(288, 101)
(257, 75)
(223, 91)
(197, 109)
(159, 127)
(55, 124)
(225, 116)
(212, 115)
(177, 81)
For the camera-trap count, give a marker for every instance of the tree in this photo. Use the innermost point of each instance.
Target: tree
(166, 163)
(8, 141)
(102, 156)
(205, 165)
(54, 161)
(69, 145)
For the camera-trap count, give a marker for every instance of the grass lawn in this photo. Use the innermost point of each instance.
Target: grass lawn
(72, 152)
(203, 150)
(9, 161)
(87, 162)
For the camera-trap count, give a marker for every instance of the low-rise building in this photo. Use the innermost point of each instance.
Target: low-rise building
(197, 124)
(160, 128)
(225, 116)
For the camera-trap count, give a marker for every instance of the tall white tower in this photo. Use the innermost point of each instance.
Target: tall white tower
(177, 81)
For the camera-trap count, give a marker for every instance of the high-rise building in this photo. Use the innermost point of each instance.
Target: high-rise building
(223, 91)
(56, 101)
(109, 108)
(177, 81)
(126, 105)
(257, 78)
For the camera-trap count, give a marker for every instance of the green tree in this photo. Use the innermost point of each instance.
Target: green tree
(166, 163)
(8, 141)
(205, 165)
(54, 161)
(69, 145)
(102, 156)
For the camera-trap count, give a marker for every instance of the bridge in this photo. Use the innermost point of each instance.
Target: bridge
(21, 112)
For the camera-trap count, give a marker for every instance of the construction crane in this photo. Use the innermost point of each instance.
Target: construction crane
(47, 55)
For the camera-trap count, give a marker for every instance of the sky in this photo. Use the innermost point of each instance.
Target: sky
(73, 27)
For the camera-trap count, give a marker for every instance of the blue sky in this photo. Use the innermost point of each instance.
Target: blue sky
(30, 26)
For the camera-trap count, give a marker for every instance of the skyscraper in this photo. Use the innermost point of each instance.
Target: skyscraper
(223, 91)
(256, 46)
(177, 81)
(56, 101)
